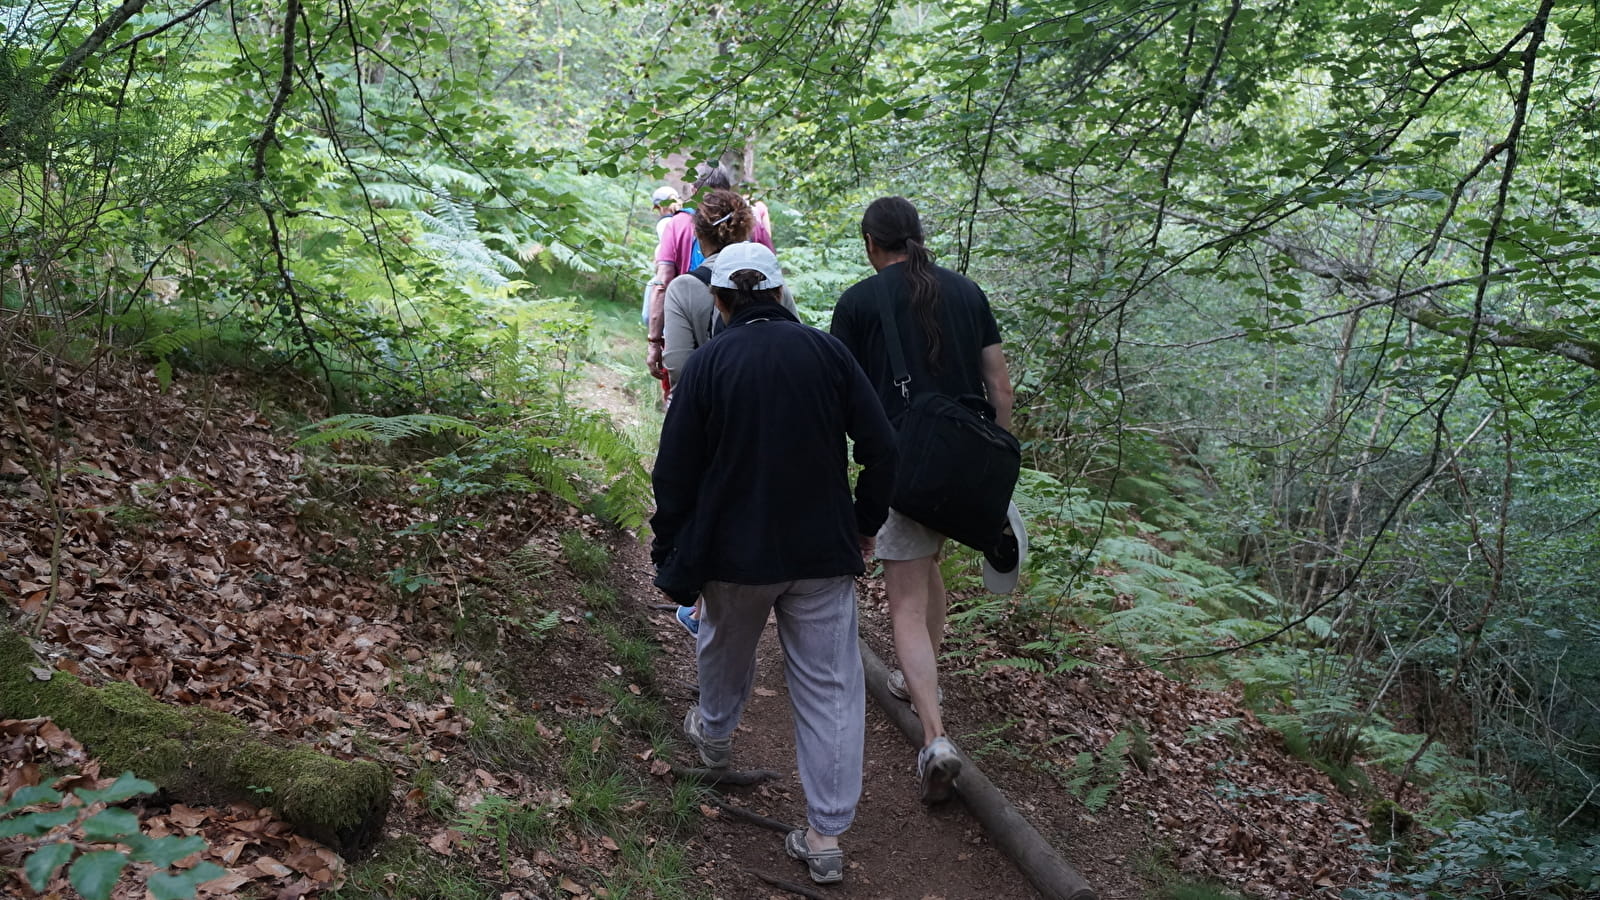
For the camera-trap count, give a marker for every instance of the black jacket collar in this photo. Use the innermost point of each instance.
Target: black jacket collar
(761, 311)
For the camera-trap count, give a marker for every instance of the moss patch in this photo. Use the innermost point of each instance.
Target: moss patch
(199, 755)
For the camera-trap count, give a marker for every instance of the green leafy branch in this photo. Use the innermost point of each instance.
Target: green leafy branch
(96, 841)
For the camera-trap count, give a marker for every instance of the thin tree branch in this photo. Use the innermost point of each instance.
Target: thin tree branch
(285, 87)
(164, 27)
(92, 43)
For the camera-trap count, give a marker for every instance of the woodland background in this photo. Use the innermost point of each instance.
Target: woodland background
(1301, 300)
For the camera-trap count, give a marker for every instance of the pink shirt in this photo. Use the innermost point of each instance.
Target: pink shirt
(677, 242)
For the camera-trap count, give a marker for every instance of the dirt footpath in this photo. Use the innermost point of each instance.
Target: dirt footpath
(898, 849)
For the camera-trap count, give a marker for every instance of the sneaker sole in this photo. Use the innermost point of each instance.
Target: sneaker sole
(939, 780)
(693, 632)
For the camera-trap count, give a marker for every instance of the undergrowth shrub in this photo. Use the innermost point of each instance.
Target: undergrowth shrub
(587, 557)
(1496, 854)
(96, 841)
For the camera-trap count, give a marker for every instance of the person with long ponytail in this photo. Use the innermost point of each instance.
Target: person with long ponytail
(951, 344)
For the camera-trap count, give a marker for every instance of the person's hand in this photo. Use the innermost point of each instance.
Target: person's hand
(869, 543)
(652, 361)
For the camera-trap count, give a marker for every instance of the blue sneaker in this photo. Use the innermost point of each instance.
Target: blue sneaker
(685, 617)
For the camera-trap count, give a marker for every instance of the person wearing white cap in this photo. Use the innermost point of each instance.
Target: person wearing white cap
(666, 202)
(754, 510)
(951, 345)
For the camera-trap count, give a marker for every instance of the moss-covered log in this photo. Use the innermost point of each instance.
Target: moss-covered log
(198, 755)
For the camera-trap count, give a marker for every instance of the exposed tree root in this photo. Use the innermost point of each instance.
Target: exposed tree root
(753, 818)
(733, 777)
(789, 886)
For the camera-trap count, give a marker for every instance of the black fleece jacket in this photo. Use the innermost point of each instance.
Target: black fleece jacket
(752, 477)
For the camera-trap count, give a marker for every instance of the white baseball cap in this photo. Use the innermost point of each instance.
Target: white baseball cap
(996, 581)
(746, 255)
(664, 195)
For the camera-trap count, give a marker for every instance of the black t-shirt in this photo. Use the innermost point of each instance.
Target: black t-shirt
(966, 326)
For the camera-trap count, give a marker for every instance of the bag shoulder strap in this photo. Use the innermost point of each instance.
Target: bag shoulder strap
(891, 340)
(702, 272)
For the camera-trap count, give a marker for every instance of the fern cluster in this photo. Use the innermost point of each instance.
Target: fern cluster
(1093, 779)
(575, 455)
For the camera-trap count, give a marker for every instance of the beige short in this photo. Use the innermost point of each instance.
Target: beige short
(903, 538)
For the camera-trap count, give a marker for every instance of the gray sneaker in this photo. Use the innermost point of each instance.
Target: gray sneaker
(897, 688)
(714, 752)
(937, 768)
(825, 866)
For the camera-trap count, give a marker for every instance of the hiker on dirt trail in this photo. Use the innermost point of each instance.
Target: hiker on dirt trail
(691, 315)
(951, 346)
(675, 255)
(666, 202)
(754, 510)
(723, 218)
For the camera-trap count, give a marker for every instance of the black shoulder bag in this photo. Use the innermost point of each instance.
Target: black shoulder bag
(957, 466)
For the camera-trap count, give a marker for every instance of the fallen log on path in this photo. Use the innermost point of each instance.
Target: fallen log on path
(1039, 862)
(198, 755)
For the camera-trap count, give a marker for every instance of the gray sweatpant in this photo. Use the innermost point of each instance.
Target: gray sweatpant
(822, 665)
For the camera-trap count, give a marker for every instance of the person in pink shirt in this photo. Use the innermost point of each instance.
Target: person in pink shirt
(675, 256)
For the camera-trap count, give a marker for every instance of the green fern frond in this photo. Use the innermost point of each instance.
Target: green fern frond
(569, 257)
(393, 193)
(450, 236)
(1018, 662)
(166, 343)
(1096, 799)
(545, 624)
(384, 429)
(443, 176)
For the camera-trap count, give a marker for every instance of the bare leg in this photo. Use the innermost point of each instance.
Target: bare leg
(911, 584)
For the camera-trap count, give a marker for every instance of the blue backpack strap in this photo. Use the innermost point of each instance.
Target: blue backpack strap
(696, 255)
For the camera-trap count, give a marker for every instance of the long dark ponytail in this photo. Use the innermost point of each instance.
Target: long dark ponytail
(893, 225)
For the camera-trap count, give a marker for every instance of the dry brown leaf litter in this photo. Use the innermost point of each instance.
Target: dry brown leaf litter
(192, 562)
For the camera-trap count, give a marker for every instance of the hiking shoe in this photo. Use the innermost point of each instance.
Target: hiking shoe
(685, 617)
(937, 768)
(897, 688)
(825, 866)
(714, 752)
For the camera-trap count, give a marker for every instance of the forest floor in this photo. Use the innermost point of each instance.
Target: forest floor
(519, 682)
